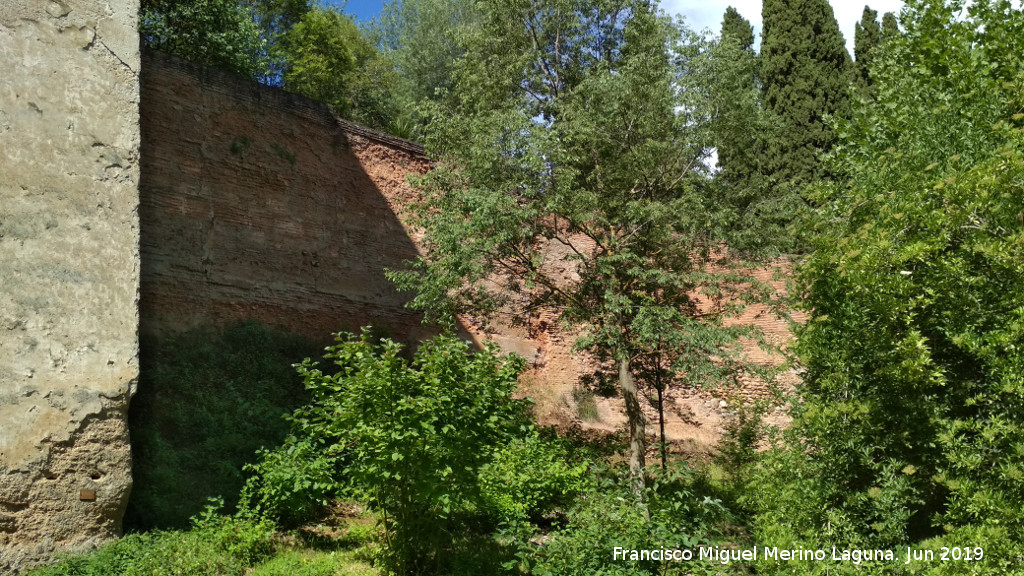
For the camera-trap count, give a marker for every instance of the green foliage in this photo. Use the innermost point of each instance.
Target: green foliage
(741, 438)
(913, 397)
(529, 477)
(327, 58)
(806, 74)
(755, 215)
(570, 176)
(307, 563)
(215, 546)
(586, 406)
(220, 33)
(420, 39)
(737, 28)
(407, 437)
(294, 482)
(867, 35)
(606, 516)
(207, 401)
(890, 26)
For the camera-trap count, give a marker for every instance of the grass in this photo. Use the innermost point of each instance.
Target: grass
(223, 546)
(586, 406)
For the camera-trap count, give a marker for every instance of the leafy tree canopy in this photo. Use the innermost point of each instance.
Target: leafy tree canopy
(221, 33)
(914, 388)
(420, 38)
(326, 57)
(572, 178)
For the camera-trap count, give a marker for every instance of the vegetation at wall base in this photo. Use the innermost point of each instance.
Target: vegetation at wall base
(208, 399)
(219, 545)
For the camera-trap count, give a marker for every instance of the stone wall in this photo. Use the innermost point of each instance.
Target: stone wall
(260, 204)
(255, 204)
(69, 268)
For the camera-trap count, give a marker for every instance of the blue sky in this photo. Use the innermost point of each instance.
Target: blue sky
(360, 9)
(699, 14)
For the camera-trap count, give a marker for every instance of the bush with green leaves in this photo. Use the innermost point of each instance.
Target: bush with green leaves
(529, 477)
(912, 414)
(606, 516)
(294, 482)
(221, 33)
(408, 437)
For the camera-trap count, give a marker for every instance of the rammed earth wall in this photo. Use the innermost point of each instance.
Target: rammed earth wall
(260, 204)
(69, 272)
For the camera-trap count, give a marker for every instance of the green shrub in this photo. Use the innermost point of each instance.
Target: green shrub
(293, 482)
(586, 406)
(530, 476)
(407, 437)
(606, 516)
(207, 401)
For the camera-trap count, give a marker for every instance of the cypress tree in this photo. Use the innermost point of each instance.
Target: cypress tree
(890, 27)
(867, 35)
(805, 73)
(737, 27)
(736, 90)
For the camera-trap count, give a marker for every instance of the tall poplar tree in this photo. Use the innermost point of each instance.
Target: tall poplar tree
(805, 73)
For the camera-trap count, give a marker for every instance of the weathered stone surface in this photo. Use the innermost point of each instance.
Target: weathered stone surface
(69, 268)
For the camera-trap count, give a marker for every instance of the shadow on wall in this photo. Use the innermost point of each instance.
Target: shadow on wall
(256, 205)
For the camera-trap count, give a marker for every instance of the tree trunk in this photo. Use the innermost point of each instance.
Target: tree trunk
(661, 426)
(637, 429)
(661, 407)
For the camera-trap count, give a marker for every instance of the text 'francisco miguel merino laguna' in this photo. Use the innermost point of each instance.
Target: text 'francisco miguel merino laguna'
(727, 555)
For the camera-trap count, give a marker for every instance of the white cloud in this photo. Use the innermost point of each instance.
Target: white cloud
(701, 14)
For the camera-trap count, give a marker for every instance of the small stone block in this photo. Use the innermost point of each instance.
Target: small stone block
(86, 495)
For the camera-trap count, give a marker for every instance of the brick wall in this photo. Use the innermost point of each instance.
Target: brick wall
(260, 204)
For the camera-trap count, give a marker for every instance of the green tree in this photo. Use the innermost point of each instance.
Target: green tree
(408, 437)
(867, 35)
(909, 424)
(737, 95)
(327, 58)
(274, 18)
(570, 178)
(420, 38)
(739, 29)
(740, 123)
(890, 26)
(220, 33)
(805, 74)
